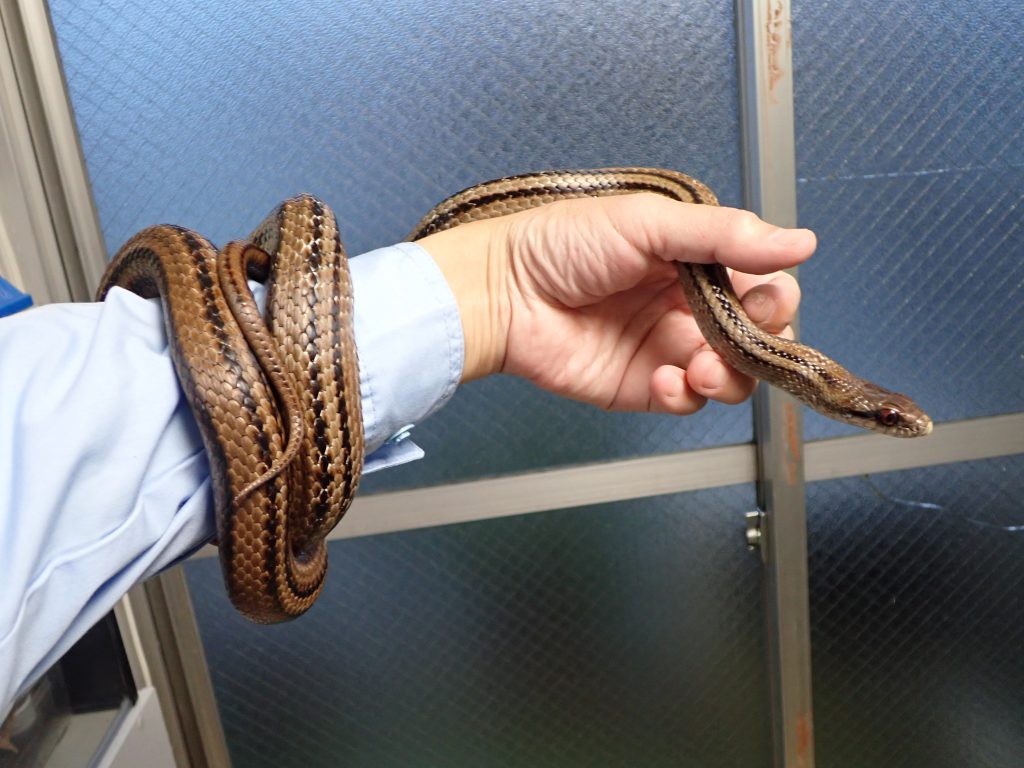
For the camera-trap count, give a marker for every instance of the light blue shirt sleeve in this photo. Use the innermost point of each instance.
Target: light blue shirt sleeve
(103, 480)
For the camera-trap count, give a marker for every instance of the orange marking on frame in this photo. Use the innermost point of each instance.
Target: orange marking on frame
(777, 35)
(803, 738)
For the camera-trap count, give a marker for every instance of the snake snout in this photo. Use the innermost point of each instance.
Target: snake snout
(899, 416)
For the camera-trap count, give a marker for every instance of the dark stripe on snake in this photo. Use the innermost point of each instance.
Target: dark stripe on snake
(715, 297)
(313, 371)
(442, 219)
(320, 506)
(339, 375)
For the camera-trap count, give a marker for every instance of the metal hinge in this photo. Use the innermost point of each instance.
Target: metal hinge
(754, 531)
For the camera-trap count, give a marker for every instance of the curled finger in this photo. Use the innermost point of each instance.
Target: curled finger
(771, 301)
(710, 377)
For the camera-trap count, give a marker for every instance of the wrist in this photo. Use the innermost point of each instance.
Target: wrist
(474, 259)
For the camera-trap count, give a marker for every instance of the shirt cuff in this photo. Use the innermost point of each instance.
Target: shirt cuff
(410, 344)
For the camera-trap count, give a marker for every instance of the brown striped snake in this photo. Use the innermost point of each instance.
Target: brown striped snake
(277, 398)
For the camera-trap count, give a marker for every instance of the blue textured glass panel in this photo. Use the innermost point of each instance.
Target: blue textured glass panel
(917, 617)
(208, 114)
(624, 634)
(910, 155)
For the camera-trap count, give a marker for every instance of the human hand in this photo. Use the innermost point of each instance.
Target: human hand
(582, 296)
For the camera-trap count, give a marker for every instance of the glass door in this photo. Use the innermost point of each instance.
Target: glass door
(620, 632)
(527, 614)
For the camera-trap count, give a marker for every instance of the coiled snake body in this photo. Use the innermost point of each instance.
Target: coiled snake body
(277, 398)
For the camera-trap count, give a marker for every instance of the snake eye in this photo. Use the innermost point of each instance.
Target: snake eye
(888, 417)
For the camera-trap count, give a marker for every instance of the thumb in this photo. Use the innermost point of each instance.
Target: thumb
(674, 231)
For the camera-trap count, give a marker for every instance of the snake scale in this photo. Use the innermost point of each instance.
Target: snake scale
(276, 396)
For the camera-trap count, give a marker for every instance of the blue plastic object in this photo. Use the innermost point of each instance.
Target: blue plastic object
(12, 300)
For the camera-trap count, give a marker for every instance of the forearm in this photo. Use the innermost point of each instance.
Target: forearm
(103, 480)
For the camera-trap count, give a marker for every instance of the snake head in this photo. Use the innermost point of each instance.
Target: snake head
(889, 413)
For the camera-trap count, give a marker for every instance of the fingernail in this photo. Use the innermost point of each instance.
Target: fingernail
(760, 307)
